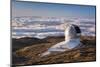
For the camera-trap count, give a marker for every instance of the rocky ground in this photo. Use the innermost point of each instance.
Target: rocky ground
(26, 51)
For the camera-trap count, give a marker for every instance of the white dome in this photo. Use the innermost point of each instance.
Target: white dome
(72, 40)
(72, 31)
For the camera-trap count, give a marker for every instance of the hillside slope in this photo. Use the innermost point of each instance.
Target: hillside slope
(29, 54)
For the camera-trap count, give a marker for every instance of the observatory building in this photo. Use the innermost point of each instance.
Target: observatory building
(72, 40)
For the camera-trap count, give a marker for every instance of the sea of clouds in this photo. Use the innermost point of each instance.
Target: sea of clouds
(42, 27)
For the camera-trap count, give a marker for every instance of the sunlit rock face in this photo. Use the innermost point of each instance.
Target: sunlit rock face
(72, 40)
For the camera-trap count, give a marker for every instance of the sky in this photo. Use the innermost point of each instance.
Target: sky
(51, 10)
